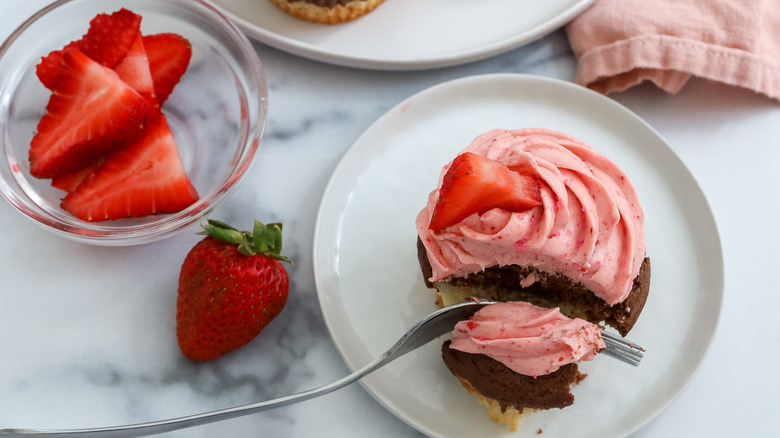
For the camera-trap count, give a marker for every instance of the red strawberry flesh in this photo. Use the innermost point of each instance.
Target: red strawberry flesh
(107, 41)
(72, 180)
(476, 184)
(134, 70)
(145, 178)
(90, 113)
(169, 56)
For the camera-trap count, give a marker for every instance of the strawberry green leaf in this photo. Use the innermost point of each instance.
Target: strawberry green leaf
(268, 238)
(220, 224)
(225, 234)
(264, 239)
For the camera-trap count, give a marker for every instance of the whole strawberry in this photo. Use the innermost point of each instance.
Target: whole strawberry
(232, 284)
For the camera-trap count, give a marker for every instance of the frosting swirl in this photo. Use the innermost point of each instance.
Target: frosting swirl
(529, 340)
(588, 228)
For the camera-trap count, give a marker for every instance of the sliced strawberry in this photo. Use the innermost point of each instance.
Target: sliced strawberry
(110, 36)
(134, 70)
(169, 56)
(107, 41)
(49, 68)
(476, 184)
(70, 181)
(146, 178)
(91, 112)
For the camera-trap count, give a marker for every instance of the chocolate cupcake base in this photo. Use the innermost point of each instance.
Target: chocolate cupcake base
(543, 289)
(510, 396)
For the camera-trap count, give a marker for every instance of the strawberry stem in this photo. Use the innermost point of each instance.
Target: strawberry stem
(265, 240)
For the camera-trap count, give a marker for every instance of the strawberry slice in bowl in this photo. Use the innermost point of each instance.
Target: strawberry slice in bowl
(107, 41)
(169, 56)
(69, 182)
(134, 70)
(144, 179)
(92, 112)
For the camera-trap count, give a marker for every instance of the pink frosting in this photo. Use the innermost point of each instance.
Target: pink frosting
(530, 340)
(590, 226)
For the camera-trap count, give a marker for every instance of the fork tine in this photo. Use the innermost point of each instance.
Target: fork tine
(627, 355)
(631, 360)
(623, 349)
(622, 341)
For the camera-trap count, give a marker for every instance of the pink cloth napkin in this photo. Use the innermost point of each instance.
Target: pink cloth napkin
(620, 43)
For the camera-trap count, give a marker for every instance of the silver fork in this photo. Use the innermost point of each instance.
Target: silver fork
(430, 328)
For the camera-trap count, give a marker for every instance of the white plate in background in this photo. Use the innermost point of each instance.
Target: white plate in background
(407, 34)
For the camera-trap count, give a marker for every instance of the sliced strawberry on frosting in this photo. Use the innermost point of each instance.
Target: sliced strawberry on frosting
(476, 184)
(134, 70)
(146, 178)
(169, 56)
(90, 113)
(107, 41)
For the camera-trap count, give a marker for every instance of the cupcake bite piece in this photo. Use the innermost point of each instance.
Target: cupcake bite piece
(518, 358)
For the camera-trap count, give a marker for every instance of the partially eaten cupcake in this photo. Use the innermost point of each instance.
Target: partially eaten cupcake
(327, 11)
(537, 216)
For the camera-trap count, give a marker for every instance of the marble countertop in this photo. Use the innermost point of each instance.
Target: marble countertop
(57, 370)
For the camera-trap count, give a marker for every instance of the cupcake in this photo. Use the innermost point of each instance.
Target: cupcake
(327, 11)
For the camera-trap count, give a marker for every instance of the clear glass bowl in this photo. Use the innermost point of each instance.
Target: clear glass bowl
(217, 112)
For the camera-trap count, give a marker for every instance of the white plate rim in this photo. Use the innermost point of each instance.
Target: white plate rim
(320, 248)
(316, 53)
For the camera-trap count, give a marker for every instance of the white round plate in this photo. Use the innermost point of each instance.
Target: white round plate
(407, 34)
(371, 290)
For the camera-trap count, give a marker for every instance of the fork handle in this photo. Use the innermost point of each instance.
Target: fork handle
(163, 426)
